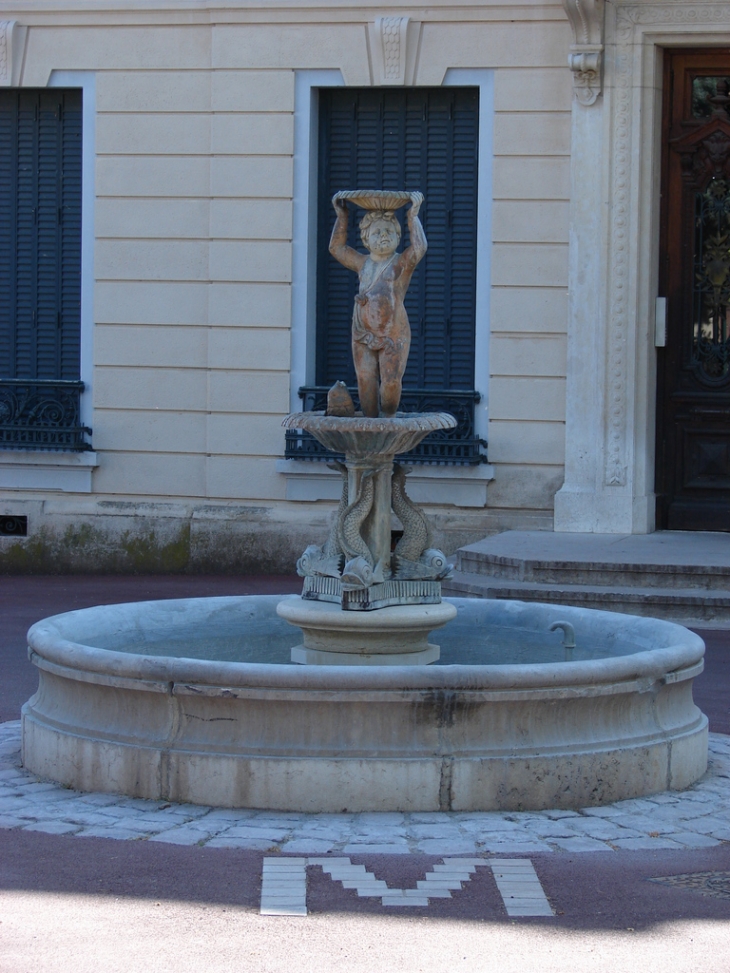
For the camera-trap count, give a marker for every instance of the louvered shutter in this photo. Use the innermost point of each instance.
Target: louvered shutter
(423, 139)
(40, 233)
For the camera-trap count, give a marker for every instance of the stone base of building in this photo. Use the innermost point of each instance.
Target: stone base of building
(129, 536)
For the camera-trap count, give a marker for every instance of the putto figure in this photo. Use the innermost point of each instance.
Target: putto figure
(381, 334)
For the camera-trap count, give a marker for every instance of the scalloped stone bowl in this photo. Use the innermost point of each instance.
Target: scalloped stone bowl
(196, 700)
(368, 438)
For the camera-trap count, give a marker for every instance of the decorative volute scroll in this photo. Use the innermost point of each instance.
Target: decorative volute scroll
(12, 40)
(393, 48)
(584, 60)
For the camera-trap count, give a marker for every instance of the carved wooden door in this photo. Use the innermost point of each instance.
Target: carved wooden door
(693, 414)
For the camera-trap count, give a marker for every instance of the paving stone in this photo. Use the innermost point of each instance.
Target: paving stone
(643, 844)
(88, 820)
(7, 822)
(219, 842)
(551, 829)
(52, 827)
(602, 828)
(272, 835)
(493, 825)
(363, 849)
(516, 847)
(579, 844)
(434, 831)
(707, 825)
(445, 846)
(689, 840)
(178, 836)
(121, 834)
(647, 825)
(607, 811)
(309, 846)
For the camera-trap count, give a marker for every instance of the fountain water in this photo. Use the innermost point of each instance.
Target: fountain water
(520, 707)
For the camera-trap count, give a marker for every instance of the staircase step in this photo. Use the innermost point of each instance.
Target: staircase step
(676, 560)
(707, 609)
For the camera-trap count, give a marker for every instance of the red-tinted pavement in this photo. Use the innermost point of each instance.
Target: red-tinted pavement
(26, 599)
(68, 904)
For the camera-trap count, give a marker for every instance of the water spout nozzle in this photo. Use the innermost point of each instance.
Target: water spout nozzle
(568, 638)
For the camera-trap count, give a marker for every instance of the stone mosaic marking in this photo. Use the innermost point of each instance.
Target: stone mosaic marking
(284, 884)
(696, 818)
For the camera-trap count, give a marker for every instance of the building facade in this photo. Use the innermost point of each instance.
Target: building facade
(165, 299)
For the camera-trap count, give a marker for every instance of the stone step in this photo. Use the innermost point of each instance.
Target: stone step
(690, 606)
(675, 560)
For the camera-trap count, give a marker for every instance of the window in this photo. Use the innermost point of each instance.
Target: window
(40, 269)
(425, 139)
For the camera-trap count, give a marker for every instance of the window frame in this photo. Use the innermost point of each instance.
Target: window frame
(304, 234)
(37, 469)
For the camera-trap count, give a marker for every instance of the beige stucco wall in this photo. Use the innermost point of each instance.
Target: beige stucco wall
(193, 255)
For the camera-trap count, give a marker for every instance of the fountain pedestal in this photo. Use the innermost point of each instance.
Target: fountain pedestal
(355, 571)
(355, 568)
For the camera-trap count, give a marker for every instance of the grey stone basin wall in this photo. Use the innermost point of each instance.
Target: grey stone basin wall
(112, 715)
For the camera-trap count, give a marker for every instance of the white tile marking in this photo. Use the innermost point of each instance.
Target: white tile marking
(284, 884)
(520, 887)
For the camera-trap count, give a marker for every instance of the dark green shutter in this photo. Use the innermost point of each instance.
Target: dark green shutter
(424, 139)
(40, 233)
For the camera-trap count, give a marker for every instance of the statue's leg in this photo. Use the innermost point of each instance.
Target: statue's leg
(366, 368)
(392, 367)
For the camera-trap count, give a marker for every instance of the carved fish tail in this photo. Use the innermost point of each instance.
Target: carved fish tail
(350, 538)
(332, 546)
(416, 529)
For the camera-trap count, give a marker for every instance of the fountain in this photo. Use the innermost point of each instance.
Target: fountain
(518, 707)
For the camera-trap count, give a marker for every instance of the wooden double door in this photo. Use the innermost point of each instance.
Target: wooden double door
(693, 380)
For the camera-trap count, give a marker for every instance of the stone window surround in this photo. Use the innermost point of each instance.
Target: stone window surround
(27, 469)
(614, 260)
(310, 481)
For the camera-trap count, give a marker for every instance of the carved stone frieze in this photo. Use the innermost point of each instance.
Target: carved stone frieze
(584, 59)
(393, 50)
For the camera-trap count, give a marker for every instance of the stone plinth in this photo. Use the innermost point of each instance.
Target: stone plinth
(389, 637)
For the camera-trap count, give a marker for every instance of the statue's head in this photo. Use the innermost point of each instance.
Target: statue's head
(380, 231)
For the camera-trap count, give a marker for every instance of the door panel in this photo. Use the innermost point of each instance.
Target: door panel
(693, 381)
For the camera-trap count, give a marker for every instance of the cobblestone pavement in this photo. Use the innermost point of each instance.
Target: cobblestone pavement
(697, 818)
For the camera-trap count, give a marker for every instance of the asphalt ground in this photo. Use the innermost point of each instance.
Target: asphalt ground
(68, 905)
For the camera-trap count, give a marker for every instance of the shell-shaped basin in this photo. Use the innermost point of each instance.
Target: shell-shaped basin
(362, 437)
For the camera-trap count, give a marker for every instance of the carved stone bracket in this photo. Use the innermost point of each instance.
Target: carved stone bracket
(584, 59)
(393, 49)
(12, 42)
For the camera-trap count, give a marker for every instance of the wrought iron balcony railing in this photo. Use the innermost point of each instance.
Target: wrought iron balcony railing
(41, 414)
(455, 447)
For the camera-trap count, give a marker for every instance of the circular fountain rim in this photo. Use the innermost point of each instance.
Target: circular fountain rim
(50, 646)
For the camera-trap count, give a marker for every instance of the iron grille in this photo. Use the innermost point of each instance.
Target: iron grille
(41, 414)
(453, 447)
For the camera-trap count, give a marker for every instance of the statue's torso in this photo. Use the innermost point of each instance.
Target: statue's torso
(379, 308)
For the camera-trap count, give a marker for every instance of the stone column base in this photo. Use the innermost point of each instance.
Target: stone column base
(396, 636)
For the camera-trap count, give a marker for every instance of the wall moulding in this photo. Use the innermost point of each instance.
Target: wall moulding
(611, 398)
(12, 48)
(586, 52)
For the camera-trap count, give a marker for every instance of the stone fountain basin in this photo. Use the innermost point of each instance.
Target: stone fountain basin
(166, 700)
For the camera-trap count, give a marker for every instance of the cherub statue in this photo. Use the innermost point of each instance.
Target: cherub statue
(381, 334)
